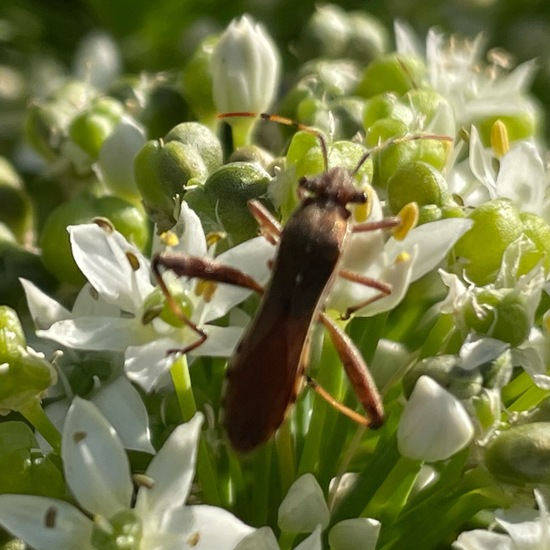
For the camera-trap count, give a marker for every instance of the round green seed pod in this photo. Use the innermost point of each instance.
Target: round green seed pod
(418, 182)
(54, 240)
(521, 454)
(480, 250)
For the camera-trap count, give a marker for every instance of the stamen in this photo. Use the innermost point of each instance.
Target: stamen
(205, 289)
(169, 238)
(214, 237)
(499, 138)
(409, 218)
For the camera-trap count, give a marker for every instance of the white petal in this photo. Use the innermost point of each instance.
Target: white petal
(251, 257)
(146, 364)
(354, 534)
(313, 542)
(44, 310)
(101, 256)
(303, 507)
(483, 540)
(45, 523)
(96, 333)
(434, 425)
(213, 528)
(189, 230)
(123, 407)
(260, 539)
(96, 466)
(172, 471)
(476, 351)
(481, 163)
(221, 341)
(522, 177)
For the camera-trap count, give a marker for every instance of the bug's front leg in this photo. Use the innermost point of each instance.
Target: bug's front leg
(185, 265)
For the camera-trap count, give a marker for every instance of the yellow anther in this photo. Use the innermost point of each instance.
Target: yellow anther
(205, 289)
(403, 256)
(409, 218)
(499, 138)
(362, 212)
(132, 260)
(169, 238)
(214, 236)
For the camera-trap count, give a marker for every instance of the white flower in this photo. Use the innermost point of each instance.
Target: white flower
(397, 263)
(245, 68)
(434, 425)
(108, 313)
(97, 472)
(525, 530)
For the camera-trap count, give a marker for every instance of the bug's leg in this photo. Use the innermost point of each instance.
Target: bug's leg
(185, 265)
(358, 374)
(270, 228)
(383, 288)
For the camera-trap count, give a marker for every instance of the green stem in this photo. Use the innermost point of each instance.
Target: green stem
(241, 130)
(186, 400)
(285, 456)
(439, 337)
(35, 414)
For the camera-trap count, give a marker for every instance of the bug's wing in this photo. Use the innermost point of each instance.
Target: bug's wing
(263, 378)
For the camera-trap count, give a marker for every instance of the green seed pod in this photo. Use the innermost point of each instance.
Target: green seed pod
(229, 189)
(480, 250)
(368, 38)
(196, 78)
(385, 106)
(326, 34)
(54, 240)
(155, 306)
(125, 526)
(391, 73)
(447, 372)
(90, 128)
(163, 106)
(417, 182)
(164, 167)
(538, 231)
(521, 454)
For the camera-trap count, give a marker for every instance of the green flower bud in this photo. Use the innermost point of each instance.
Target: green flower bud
(15, 205)
(254, 154)
(368, 38)
(90, 128)
(326, 34)
(55, 243)
(125, 533)
(521, 454)
(196, 78)
(447, 372)
(480, 250)
(24, 374)
(164, 167)
(391, 73)
(23, 469)
(417, 182)
(333, 77)
(538, 231)
(229, 189)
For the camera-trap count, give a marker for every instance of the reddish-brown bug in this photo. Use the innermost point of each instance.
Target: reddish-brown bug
(268, 366)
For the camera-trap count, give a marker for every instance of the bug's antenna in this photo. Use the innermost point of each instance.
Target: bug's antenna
(287, 122)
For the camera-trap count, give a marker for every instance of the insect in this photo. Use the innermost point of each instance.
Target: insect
(268, 367)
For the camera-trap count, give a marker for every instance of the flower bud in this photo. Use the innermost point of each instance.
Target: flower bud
(304, 507)
(434, 425)
(354, 534)
(245, 68)
(521, 454)
(24, 374)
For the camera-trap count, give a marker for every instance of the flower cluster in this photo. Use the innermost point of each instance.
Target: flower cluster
(145, 281)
